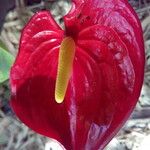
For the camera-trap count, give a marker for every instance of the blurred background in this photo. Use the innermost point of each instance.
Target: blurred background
(14, 135)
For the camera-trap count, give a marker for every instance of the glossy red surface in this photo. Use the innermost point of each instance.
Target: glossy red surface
(106, 80)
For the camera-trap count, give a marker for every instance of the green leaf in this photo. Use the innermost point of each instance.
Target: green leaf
(6, 61)
(2, 45)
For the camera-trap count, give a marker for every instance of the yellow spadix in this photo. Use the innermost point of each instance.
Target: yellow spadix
(65, 63)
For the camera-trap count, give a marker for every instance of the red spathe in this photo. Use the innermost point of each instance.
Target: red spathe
(106, 79)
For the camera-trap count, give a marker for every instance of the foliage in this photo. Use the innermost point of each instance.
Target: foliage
(6, 60)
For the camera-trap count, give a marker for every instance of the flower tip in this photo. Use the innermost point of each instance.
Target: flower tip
(59, 99)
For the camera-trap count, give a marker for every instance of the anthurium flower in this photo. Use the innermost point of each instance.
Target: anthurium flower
(79, 85)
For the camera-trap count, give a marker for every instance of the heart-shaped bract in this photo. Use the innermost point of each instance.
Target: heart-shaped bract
(106, 79)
